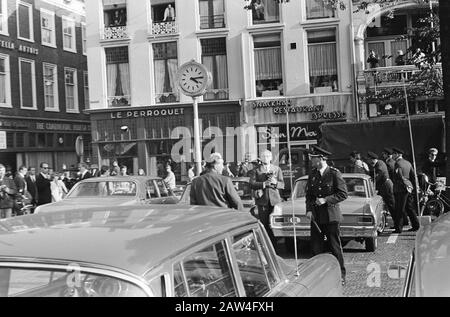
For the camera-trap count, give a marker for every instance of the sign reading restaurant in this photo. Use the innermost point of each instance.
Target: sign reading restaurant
(147, 113)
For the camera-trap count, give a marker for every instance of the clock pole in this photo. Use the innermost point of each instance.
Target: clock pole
(197, 147)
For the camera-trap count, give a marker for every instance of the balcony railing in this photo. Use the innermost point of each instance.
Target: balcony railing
(119, 101)
(217, 94)
(164, 28)
(115, 33)
(385, 77)
(167, 97)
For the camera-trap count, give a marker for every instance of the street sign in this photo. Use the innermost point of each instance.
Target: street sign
(3, 145)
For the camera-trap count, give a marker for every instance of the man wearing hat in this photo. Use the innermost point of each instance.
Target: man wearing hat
(386, 156)
(266, 180)
(325, 189)
(383, 184)
(404, 184)
(214, 189)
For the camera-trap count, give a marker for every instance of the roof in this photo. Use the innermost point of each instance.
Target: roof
(127, 238)
(344, 175)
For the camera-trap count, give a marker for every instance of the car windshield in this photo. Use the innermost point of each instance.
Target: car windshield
(18, 282)
(104, 189)
(355, 187)
(243, 189)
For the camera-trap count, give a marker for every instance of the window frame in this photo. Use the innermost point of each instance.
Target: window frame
(75, 85)
(216, 70)
(7, 103)
(52, 15)
(87, 102)
(318, 19)
(30, 21)
(211, 6)
(55, 83)
(84, 37)
(33, 83)
(4, 18)
(74, 29)
(176, 93)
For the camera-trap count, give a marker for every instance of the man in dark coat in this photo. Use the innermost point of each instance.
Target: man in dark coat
(84, 172)
(404, 184)
(31, 185)
(383, 184)
(266, 180)
(7, 193)
(325, 189)
(214, 189)
(43, 185)
(386, 156)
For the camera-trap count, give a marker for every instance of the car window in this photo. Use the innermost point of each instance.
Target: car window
(162, 188)
(185, 198)
(150, 189)
(104, 189)
(249, 260)
(178, 282)
(355, 187)
(207, 273)
(243, 189)
(266, 260)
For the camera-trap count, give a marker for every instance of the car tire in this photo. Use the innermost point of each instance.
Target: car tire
(371, 244)
(382, 224)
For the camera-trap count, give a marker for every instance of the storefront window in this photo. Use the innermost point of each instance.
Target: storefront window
(118, 76)
(322, 60)
(214, 57)
(268, 66)
(166, 66)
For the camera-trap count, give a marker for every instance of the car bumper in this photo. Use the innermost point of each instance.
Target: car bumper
(303, 232)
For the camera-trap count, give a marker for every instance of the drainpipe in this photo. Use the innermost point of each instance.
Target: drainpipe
(353, 63)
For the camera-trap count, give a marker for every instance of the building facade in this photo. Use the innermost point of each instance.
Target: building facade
(298, 64)
(43, 83)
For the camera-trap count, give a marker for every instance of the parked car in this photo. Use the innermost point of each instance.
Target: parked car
(364, 213)
(152, 251)
(428, 274)
(113, 191)
(300, 167)
(242, 185)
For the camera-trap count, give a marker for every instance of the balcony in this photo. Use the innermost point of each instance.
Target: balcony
(164, 28)
(167, 97)
(119, 101)
(115, 33)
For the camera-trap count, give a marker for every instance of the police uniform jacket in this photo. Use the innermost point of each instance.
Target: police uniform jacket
(268, 195)
(330, 186)
(390, 163)
(404, 176)
(381, 174)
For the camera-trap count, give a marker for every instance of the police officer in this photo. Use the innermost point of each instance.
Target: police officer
(386, 155)
(383, 183)
(325, 189)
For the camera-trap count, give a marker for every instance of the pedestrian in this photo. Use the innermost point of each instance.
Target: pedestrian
(191, 172)
(23, 197)
(104, 171)
(266, 180)
(325, 189)
(373, 59)
(83, 172)
(31, 186)
(9, 172)
(214, 189)
(383, 184)
(43, 185)
(432, 165)
(245, 167)
(404, 184)
(141, 172)
(357, 165)
(57, 187)
(227, 171)
(123, 170)
(170, 180)
(169, 14)
(386, 156)
(94, 171)
(7, 193)
(115, 171)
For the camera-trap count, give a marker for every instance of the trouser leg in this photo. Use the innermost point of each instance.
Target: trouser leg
(317, 243)
(334, 243)
(264, 216)
(400, 203)
(410, 209)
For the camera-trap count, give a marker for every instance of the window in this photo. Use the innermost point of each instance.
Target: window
(3, 17)
(165, 12)
(84, 38)
(323, 76)
(212, 14)
(265, 11)
(70, 79)
(166, 66)
(48, 28)
(27, 84)
(207, 273)
(51, 87)
(118, 76)
(86, 90)
(68, 34)
(317, 9)
(5, 84)
(268, 69)
(25, 21)
(214, 57)
(115, 13)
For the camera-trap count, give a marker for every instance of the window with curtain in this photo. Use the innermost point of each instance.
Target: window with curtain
(317, 9)
(268, 66)
(71, 83)
(212, 14)
(50, 87)
(27, 84)
(265, 11)
(214, 57)
(48, 27)
(322, 61)
(118, 76)
(68, 34)
(165, 56)
(4, 79)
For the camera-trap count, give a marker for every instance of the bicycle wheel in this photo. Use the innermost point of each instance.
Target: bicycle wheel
(434, 208)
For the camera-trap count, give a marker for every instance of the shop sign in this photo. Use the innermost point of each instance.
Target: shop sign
(61, 126)
(21, 48)
(298, 132)
(147, 113)
(3, 145)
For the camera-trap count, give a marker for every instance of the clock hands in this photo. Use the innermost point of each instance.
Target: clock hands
(194, 79)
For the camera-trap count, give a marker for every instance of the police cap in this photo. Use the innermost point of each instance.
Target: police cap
(372, 155)
(319, 152)
(388, 150)
(397, 150)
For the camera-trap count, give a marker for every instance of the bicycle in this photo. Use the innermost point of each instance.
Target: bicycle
(434, 202)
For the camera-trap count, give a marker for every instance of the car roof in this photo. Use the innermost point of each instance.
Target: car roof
(344, 175)
(134, 239)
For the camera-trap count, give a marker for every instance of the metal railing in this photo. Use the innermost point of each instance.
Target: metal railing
(119, 101)
(217, 94)
(167, 97)
(115, 33)
(212, 21)
(164, 28)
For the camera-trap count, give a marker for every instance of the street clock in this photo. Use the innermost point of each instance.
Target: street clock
(193, 79)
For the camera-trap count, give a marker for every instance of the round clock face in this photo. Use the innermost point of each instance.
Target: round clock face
(193, 78)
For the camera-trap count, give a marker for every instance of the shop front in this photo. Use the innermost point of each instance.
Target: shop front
(32, 141)
(149, 137)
